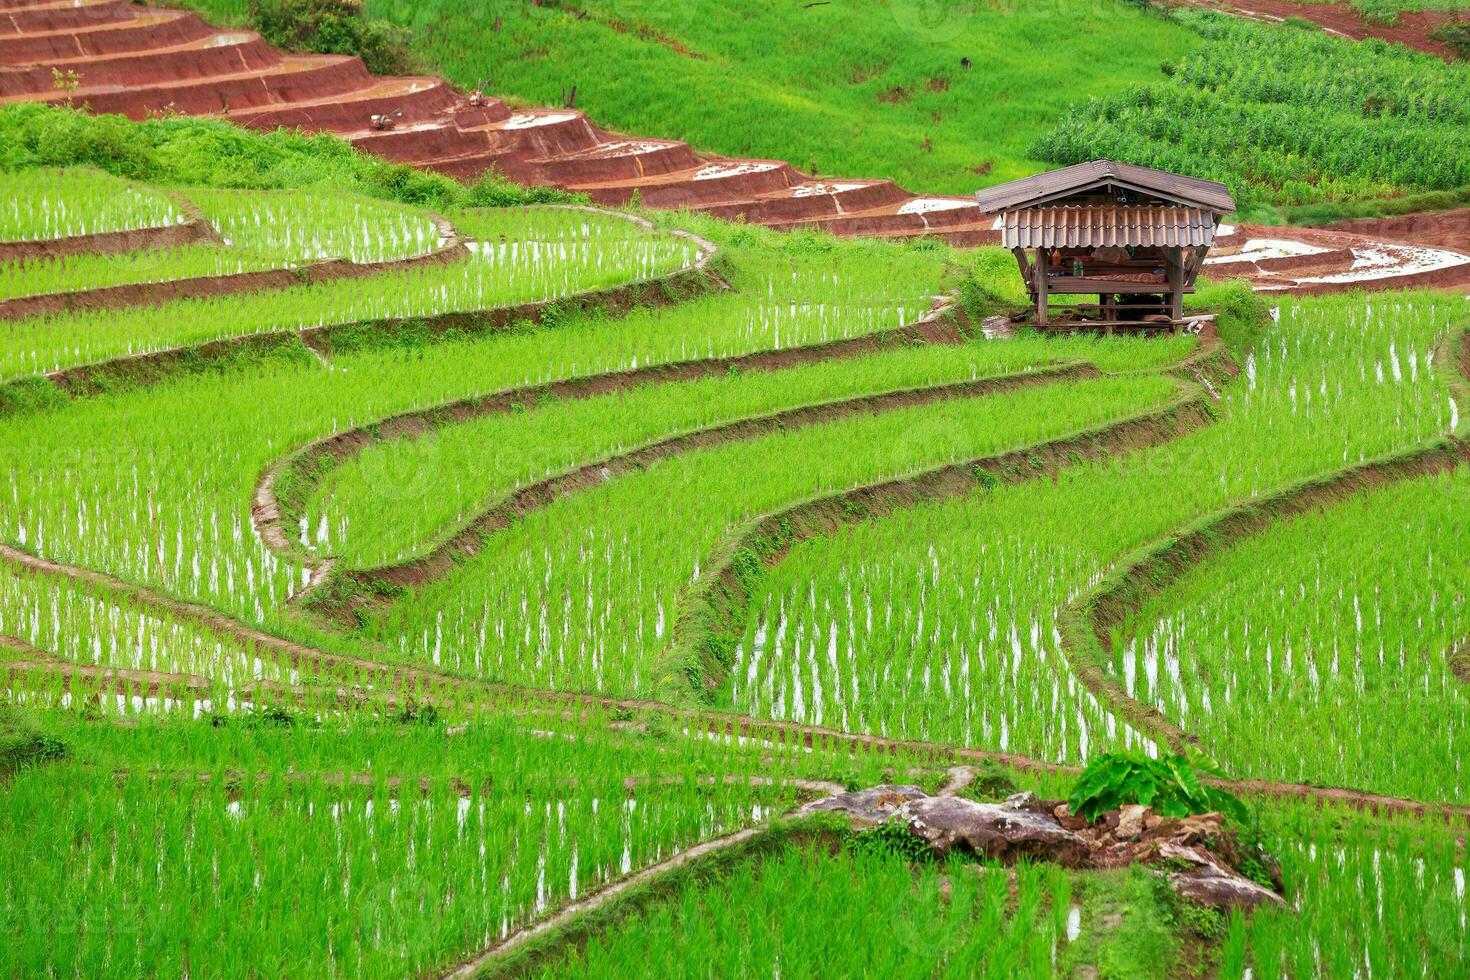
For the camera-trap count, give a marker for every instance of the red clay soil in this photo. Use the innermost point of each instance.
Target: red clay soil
(140, 61)
(1441, 229)
(1412, 30)
(1342, 247)
(110, 242)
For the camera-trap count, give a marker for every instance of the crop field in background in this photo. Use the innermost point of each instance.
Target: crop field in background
(497, 611)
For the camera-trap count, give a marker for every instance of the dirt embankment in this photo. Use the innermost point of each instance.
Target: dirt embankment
(275, 517)
(139, 370)
(1441, 229)
(194, 232)
(705, 628)
(445, 558)
(451, 249)
(1089, 624)
(428, 686)
(1412, 29)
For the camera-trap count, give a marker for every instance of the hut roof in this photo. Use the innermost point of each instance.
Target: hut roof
(1093, 225)
(1208, 195)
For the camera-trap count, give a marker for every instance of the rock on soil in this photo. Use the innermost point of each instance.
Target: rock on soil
(1208, 883)
(1200, 852)
(868, 806)
(998, 831)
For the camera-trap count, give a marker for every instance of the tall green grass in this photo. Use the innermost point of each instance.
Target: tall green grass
(60, 203)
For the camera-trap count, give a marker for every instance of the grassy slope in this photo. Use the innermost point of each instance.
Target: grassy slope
(805, 84)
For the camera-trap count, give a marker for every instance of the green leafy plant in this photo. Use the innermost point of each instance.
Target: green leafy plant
(890, 840)
(1170, 785)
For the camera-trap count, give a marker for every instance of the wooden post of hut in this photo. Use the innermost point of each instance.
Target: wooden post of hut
(1134, 237)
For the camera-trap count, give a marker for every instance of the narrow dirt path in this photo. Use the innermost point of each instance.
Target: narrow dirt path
(697, 722)
(363, 586)
(399, 786)
(25, 652)
(115, 680)
(1412, 29)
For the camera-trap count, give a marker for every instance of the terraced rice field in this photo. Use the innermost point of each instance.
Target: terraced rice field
(492, 609)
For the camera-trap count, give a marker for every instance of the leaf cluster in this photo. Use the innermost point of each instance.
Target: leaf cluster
(1170, 785)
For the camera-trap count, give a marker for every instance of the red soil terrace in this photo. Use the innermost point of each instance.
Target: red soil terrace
(115, 56)
(137, 60)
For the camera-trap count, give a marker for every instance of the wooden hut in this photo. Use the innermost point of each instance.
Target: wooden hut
(1132, 236)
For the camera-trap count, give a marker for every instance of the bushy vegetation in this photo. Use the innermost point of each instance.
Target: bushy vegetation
(333, 27)
(1455, 34)
(183, 150)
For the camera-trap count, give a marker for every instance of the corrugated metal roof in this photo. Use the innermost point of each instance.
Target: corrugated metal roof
(1095, 225)
(1208, 194)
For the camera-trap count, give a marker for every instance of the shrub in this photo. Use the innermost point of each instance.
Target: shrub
(1455, 35)
(333, 27)
(891, 840)
(1169, 785)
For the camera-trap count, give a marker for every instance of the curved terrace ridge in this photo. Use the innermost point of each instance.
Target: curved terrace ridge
(703, 628)
(158, 367)
(1087, 624)
(274, 517)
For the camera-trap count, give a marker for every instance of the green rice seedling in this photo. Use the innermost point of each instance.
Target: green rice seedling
(42, 204)
(544, 224)
(73, 273)
(196, 855)
(1365, 895)
(802, 910)
(208, 439)
(583, 592)
(357, 513)
(941, 622)
(297, 226)
(1341, 625)
(498, 274)
(88, 626)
